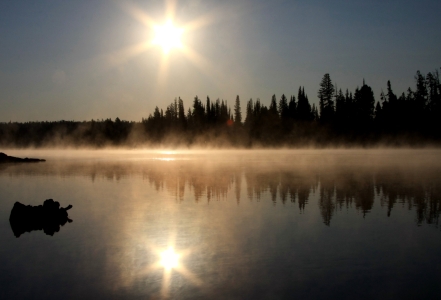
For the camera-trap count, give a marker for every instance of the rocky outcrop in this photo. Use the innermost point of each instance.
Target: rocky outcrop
(47, 217)
(11, 159)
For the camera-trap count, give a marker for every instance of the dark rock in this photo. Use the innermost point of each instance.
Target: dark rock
(11, 159)
(47, 217)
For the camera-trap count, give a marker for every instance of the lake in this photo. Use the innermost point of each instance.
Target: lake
(282, 224)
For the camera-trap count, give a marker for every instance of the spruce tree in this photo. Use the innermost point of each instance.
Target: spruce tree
(325, 95)
(364, 104)
(283, 108)
(273, 106)
(181, 114)
(249, 119)
(292, 108)
(237, 112)
(304, 112)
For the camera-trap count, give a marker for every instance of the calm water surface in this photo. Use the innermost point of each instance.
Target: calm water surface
(340, 224)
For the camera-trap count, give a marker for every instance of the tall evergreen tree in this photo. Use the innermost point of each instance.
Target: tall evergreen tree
(237, 112)
(340, 109)
(208, 112)
(273, 106)
(325, 95)
(257, 108)
(181, 114)
(292, 108)
(283, 108)
(304, 112)
(434, 105)
(364, 106)
(249, 119)
(434, 89)
(421, 91)
(198, 114)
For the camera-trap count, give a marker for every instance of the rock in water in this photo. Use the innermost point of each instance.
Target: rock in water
(11, 159)
(47, 217)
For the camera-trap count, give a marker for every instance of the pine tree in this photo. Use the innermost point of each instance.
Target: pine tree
(181, 114)
(378, 113)
(292, 108)
(340, 104)
(237, 112)
(208, 112)
(273, 106)
(250, 114)
(304, 112)
(283, 108)
(364, 106)
(325, 95)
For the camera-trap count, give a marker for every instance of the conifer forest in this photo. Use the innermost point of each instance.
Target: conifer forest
(342, 118)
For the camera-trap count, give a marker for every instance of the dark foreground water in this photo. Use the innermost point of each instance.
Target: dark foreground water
(246, 225)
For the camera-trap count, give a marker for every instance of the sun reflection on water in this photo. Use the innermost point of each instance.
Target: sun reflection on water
(170, 263)
(165, 158)
(169, 258)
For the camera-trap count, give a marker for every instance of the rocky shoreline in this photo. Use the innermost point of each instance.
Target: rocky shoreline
(11, 159)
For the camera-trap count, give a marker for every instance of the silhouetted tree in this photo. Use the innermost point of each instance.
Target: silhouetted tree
(249, 120)
(197, 115)
(237, 112)
(181, 115)
(434, 105)
(292, 108)
(325, 94)
(273, 106)
(304, 112)
(284, 114)
(364, 107)
(419, 102)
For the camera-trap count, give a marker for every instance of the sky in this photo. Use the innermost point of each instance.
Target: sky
(93, 59)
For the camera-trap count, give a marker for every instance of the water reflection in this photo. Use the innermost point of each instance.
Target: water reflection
(345, 184)
(244, 227)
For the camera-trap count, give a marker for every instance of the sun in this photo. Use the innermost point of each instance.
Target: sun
(167, 36)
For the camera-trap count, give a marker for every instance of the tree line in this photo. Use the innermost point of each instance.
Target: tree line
(341, 118)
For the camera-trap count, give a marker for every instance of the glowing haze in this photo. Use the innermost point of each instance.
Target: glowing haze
(79, 60)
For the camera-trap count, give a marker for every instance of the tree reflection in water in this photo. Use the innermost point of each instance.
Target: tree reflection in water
(345, 184)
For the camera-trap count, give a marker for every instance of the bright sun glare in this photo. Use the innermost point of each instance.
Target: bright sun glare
(169, 258)
(167, 36)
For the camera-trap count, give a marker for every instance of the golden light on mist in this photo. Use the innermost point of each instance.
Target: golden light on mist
(168, 152)
(169, 259)
(167, 36)
(165, 159)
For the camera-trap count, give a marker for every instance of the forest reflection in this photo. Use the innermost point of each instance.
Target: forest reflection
(335, 186)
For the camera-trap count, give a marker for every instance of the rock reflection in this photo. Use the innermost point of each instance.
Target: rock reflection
(47, 217)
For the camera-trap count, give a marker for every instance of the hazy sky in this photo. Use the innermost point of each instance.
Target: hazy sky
(78, 60)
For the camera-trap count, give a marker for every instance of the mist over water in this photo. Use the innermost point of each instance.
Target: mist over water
(250, 224)
(350, 179)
